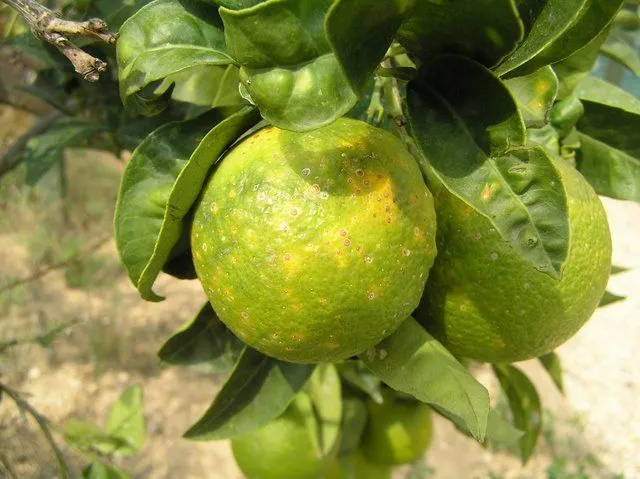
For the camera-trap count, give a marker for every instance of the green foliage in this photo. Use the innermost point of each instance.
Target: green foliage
(534, 94)
(258, 390)
(161, 183)
(525, 406)
(205, 339)
(412, 362)
(292, 75)
(148, 51)
(492, 168)
(551, 362)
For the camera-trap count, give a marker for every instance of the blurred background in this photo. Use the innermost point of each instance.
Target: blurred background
(74, 333)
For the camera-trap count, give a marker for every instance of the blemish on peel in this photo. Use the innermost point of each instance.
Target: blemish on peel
(371, 295)
(214, 207)
(306, 171)
(245, 315)
(371, 354)
(368, 259)
(494, 256)
(406, 252)
(382, 354)
(359, 172)
(324, 195)
(347, 242)
(294, 212)
(287, 256)
(477, 235)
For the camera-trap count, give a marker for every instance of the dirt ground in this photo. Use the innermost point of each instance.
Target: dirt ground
(593, 430)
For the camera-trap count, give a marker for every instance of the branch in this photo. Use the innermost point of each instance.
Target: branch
(13, 156)
(46, 25)
(43, 423)
(61, 264)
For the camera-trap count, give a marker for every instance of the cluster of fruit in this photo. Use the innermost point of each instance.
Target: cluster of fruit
(314, 246)
(396, 431)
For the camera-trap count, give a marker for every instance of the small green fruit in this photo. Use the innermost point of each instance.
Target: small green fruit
(399, 430)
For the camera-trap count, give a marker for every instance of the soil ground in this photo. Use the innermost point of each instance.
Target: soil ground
(591, 432)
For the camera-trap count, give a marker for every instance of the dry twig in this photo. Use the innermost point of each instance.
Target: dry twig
(46, 25)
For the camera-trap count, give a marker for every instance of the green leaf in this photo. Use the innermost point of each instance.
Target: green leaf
(501, 431)
(99, 470)
(163, 38)
(593, 18)
(205, 339)
(44, 151)
(525, 406)
(485, 30)
(535, 94)
(547, 137)
(608, 298)
(325, 393)
(210, 85)
(160, 184)
(413, 362)
(621, 50)
(544, 22)
(358, 376)
(360, 32)
(259, 389)
(573, 69)
(565, 115)
(609, 154)
(354, 420)
(618, 269)
(287, 65)
(551, 362)
(83, 434)
(235, 4)
(610, 171)
(126, 420)
(462, 112)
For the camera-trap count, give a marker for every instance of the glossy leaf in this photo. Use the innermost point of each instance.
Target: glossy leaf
(126, 420)
(552, 364)
(359, 377)
(609, 154)
(565, 115)
(259, 389)
(593, 18)
(621, 50)
(535, 94)
(325, 393)
(235, 4)
(205, 339)
(544, 22)
(525, 406)
(609, 298)
(163, 38)
(547, 137)
(360, 32)
(45, 151)
(287, 65)
(99, 470)
(573, 69)
(610, 171)
(161, 183)
(210, 85)
(485, 30)
(462, 111)
(354, 420)
(413, 362)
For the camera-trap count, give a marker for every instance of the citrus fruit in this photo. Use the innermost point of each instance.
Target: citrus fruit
(315, 246)
(355, 465)
(399, 430)
(485, 302)
(283, 449)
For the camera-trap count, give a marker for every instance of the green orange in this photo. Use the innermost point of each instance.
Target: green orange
(485, 302)
(315, 246)
(355, 465)
(399, 430)
(283, 449)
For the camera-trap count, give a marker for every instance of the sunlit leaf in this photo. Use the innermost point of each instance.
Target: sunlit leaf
(413, 362)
